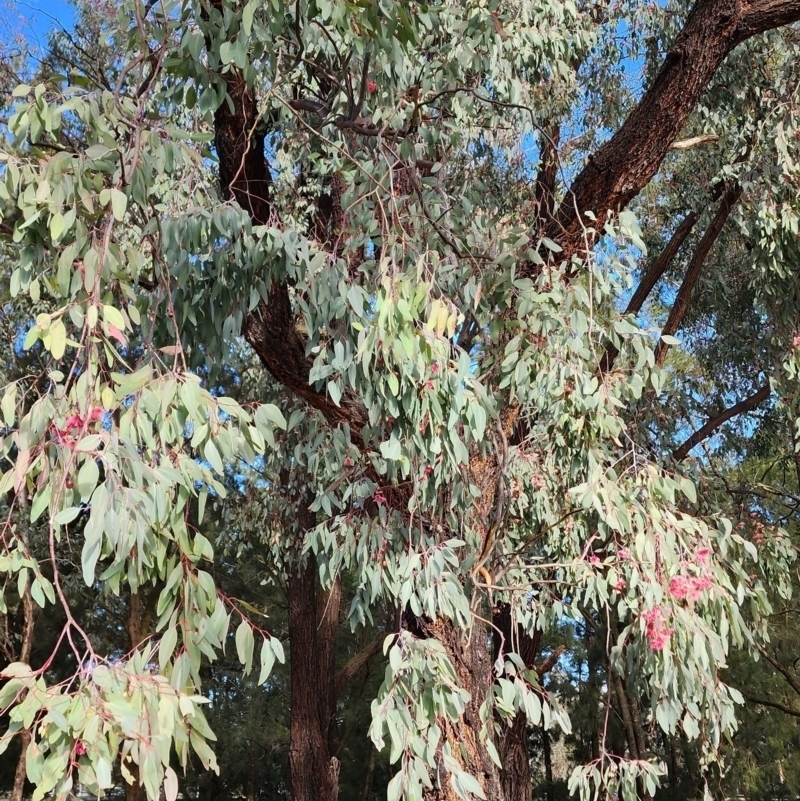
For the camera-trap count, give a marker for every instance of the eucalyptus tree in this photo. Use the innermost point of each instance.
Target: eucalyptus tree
(421, 221)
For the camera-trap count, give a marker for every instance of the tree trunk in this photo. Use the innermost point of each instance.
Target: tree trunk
(516, 771)
(473, 665)
(548, 765)
(252, 773)
(136, 625)
(367, 786)
(312, 636)
(18, 788)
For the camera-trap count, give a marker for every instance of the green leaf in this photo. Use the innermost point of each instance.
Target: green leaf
(245, 644)
(247, 19)
(40, 502)
(58, 339)
(89, 556)
(16, 670)
(119, 203)
(66, 516)
(9, 404)
(269, 413)
(166, 647)
(334, 392)
(114, 317)
(212, 456)
(267, 661)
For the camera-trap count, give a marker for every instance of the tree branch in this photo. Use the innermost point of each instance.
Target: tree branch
(790, 680)
(245, 177)
(548, 171)
(681, 304)
(626, 163)
(685, 144)
(746, 405)
(774, 704)
(355, 663)
(651, 278)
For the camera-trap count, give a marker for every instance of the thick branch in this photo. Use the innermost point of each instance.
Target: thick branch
(626, 163)
(355, 663)
(548, 171)
(774, 704)
(245, 177)
(548, 663)
(681, 304)
(746, 405)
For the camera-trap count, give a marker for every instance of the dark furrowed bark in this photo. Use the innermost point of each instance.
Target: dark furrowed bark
(625, 164)
(516, 772)
(472, 661)
(314, 773)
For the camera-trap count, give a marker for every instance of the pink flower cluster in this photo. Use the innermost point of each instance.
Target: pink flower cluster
(656, 630)
(702, 554)
(690, 588)
(76, 423)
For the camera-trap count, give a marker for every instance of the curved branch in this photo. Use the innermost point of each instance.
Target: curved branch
(746, 405)
(244, 175)
(774, 704)
(790, 679)
(625, 164)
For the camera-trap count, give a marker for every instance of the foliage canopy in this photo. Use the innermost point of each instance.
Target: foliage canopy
(361, 291)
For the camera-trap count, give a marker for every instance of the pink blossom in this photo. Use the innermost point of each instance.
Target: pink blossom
(656, 631)
(95, 414)
(679, 587)
(702, 554)
(698, 586)
(624, 553)
(73, 421)
(372, 86)
(379, 497)
(620, 585)
(80, 748)
(594, 560)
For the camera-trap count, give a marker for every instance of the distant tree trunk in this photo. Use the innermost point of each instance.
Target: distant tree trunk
(137, 626)
(367, 786)
(252, 773)
(548, 764)
(24, 656)
(313, 620)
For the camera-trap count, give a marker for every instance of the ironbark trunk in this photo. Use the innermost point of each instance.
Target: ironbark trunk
(313, 620)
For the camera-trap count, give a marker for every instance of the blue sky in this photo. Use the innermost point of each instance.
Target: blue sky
(32, 19)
